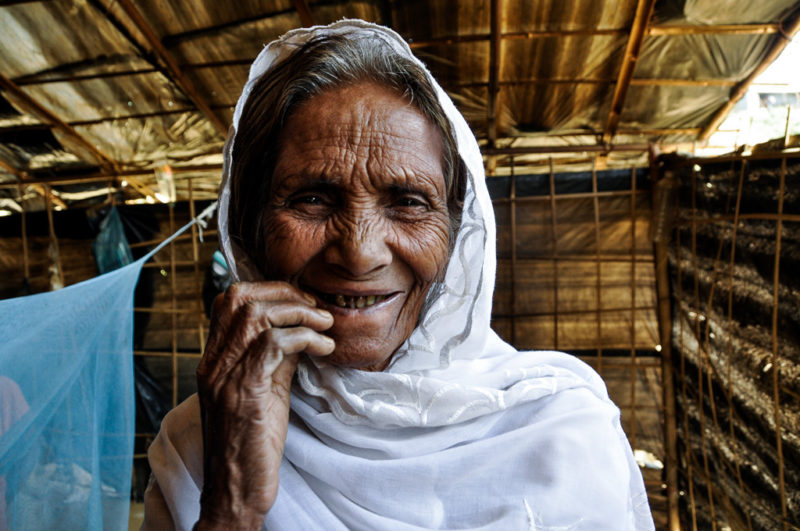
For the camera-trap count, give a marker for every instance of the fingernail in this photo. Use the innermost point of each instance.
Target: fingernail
(310, 299)
(330, 341)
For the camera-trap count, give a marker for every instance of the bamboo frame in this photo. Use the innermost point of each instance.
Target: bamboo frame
(634, 373)
(729, 349)
(175, 71)
(785, 36)
(24, 236)
(699, 464)
(598, 267)
(32, 106)
(513, 214)
(667, 385)
(195, 270)
(554, 237)
(644, 10)
(495, 57)
(301, 6)
(775, 365)
(52, 231)
(173, 307)
(671, 30)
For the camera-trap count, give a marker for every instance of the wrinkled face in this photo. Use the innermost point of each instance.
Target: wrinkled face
(358, 216)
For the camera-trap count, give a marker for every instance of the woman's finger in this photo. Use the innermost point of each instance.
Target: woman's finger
(264, 315)
(240, 293)
(290, 341)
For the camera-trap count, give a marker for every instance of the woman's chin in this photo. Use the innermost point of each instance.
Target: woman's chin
(362, 354)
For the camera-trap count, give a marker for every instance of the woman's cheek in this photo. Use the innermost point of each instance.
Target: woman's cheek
(426, 247)
(288, 245)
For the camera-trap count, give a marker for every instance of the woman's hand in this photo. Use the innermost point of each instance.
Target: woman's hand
(243, 382)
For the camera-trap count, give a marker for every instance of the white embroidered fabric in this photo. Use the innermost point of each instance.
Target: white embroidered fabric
(461, 431)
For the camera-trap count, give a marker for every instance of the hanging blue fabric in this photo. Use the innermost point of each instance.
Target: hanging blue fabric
(67, 404)
(110, 248)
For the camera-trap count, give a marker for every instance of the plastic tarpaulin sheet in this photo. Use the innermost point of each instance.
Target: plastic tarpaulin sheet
(66, 408)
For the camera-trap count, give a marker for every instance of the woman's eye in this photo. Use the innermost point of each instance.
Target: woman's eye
(310, 199)
(411, 202)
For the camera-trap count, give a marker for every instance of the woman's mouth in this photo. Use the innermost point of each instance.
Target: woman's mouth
(350, 301)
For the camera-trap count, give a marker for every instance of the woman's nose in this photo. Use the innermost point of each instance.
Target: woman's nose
(359, 247)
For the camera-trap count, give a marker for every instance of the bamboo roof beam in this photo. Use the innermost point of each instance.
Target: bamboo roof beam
(644, 10)
(177, 75)
(721, 29)
(783, 38)
(8, 168)
(25, 180)
(672, 82)
(530, 150)
(31, 106)
(301, 6)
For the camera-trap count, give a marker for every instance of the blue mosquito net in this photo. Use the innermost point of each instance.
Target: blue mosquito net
(67, 402)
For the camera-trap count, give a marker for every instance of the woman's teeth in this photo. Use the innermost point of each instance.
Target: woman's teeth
(345, 301)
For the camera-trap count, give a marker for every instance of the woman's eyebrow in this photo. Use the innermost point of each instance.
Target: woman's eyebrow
(419, 188)
(302, 180)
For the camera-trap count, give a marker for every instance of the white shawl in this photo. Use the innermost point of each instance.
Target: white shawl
(461, 431)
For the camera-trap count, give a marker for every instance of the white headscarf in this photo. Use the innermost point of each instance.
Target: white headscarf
(461, 431)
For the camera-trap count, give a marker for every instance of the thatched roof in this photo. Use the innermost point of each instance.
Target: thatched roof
(110, 90)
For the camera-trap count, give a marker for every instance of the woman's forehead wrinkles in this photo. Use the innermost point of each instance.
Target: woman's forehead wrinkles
(372, 153)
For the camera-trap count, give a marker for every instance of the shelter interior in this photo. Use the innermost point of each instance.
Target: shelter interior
(672, 274)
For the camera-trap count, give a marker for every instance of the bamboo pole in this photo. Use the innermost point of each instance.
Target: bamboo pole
(634, 375)
(642, 308)
(644, 10)
(729, 351)
(667, 385)
(182, 237)
(688, 461)
(699, 357)
(513, 208)
(782, 39)
(301, 6)
(704, 348)
(554, 238)
(173, 315)
(495, 57)
(598, 267)
(178, 77)
(706, 29)
(580, 195)
(25, 260)
(775, 349)
(198, 289)
(52, 231)
(32, 106)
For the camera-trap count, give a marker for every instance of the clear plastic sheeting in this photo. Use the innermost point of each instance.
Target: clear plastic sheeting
(66, 408)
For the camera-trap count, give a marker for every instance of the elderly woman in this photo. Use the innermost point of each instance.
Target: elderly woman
(351, 380)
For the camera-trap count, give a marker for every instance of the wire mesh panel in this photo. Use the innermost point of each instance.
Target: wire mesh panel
(736, 330)
(576, 273)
